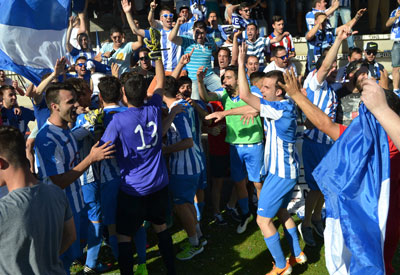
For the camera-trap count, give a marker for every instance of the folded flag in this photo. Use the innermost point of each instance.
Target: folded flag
(32, 36)
(355, 179)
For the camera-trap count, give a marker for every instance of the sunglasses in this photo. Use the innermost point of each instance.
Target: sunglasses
(247, 10)
(144, 58)
(168, 15)
(81, 64)
(371, 52)
(283, 57)
(116, 37)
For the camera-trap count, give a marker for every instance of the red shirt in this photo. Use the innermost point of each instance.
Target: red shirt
(216, 144)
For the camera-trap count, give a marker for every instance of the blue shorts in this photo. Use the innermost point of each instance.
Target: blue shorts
(246, 160)
(183, 188)
(91, 196)
(276, 193)
(313, 152)
(396, 54)
(108, 201)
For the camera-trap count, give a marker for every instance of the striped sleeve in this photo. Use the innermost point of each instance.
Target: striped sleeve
(269, 109)
(182, 126)
(50, 157)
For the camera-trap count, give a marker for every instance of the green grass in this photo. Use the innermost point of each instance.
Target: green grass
(229, 253)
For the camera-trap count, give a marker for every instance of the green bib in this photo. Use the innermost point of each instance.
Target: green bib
(236, 132)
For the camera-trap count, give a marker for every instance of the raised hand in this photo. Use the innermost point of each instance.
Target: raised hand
(292, 85)
(71, 20)
(343, 32)
(360, 13)
(242, 54)
(59, 68)
(126, 6)
(153, 5)
(185, 59)
(180, 21)
(201, 74)
(373, 96)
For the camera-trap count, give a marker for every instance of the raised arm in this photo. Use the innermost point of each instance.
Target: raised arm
(314, 114)
(204, 95)
(150, 17)
(353, 21)
(138, 44)
(333, 7)
(244, 88)
(173, 35)
(127, 7)
(68, 45)
(343, 33)
(311, 34)
(185, 59)
(235, 48)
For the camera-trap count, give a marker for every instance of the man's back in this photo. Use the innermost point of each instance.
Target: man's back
(31, 228)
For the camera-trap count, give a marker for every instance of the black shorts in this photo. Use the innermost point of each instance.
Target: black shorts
(133, 211)
(219, 166)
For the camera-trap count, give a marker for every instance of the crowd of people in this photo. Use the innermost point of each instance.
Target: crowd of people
(124, 141)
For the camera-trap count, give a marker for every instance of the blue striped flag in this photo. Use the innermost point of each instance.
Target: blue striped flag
(32, 35)
(355, 180)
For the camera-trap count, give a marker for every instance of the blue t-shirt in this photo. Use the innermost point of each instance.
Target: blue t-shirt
(41, 112)
(137, 135)
(18, 121)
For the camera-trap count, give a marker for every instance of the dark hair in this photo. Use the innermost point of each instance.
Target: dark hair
(6, 87)
(244, 5)
(81, 57)
(319, 62)
(256, 76)
(167, 8)
(136, 90)
(110, 89)
(248, 57)
(225, 49)
(171, 87)
(232, 68)
(125, 76)
(80, 86)
(355, 66)
(393, 101)
(12, 146)
(81, 35)
(200, 25)
(53, 92)
(279, 78)
(144, 50)
(276, 18)
(184, 80)
(115, 29)
(252, 24)
(277, 49)
(314, 3)
(354, 50)
(318, 14)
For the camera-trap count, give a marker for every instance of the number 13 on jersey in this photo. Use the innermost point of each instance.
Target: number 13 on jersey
(154, 135)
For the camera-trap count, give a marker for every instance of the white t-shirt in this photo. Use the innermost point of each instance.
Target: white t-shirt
(272, 67)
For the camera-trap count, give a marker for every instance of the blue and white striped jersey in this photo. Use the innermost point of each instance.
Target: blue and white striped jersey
(56, 153)
(344, 3)
(171, 57)
(85, 141)
(280, 156)
(239, 22)
(109, 169)
(322, 40)
(75, 53)
(189, 161)
(201, 56)
(395, 32)
(258, 48)
(310, 19)
(324, 97)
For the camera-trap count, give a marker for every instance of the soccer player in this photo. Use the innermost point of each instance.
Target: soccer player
(280, 165)
(58, 158)
(143, 192)
(246, 147)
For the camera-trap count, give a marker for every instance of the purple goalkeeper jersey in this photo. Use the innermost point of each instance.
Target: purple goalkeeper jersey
(137, 135)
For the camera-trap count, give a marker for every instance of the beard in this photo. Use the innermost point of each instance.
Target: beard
(229, 89)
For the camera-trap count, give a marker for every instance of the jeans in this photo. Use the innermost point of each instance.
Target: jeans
(345, 15)
(212, 82)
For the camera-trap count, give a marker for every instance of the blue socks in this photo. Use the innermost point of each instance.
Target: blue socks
(293, 240)
(94, 240)
(244, 205)
(199, 209)
(112, 239)
(274, 246)
(140, 239)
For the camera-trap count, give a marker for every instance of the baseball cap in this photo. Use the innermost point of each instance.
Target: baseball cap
(371, 46)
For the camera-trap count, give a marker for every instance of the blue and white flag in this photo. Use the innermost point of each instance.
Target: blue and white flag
(355, 179)
(32, 35)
